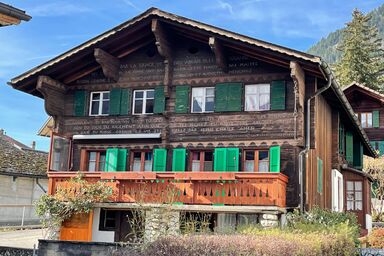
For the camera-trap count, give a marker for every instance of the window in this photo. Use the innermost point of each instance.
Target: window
(257, 97)
(107, 220)
(141, 161)
(354, 195)
(60, 149)
(96, 161)
(99, 105)
(203, 99)
(256, 161)
(202, 161)
(366, 119)
(143, 101)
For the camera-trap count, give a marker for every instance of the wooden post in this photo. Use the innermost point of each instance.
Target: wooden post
(218, 50)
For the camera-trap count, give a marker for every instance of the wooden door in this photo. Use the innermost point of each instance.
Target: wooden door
(354, 199)
(77, 228)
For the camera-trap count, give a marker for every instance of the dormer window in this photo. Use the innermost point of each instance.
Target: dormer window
(99, 104)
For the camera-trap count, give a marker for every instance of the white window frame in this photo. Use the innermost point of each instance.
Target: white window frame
(144, 101)
(257, 94)
(101, 102)
(204, 96)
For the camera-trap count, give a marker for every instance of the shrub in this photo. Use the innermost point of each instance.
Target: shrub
(376, 238)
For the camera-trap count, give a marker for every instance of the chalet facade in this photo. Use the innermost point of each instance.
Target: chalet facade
(236, 127)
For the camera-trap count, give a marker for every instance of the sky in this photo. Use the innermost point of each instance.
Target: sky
(57, 26)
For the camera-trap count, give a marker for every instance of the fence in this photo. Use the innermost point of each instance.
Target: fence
(18, 215)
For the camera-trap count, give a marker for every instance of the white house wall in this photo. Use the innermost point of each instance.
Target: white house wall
(97, 235)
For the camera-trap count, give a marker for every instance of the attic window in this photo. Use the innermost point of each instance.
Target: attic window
(193, 50)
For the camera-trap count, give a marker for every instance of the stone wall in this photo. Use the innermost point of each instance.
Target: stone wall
(9, 251)
(161, 221)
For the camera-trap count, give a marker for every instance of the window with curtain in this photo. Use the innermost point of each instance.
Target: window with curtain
(257, 97)
(354, 195)
(141, 161)
(366, 119)
(96, 161)
(203, 99)
(256, 161)
(202, 161)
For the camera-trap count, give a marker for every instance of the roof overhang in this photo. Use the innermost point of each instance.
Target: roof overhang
(11, 16)
(364, 90)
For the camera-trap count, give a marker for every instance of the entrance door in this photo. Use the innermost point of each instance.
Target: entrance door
(131, 226)
(354, 199)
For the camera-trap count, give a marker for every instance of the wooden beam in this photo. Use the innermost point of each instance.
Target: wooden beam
(298, 76)
(53, 92)
(217, 48)
(80, 74)
(164, 47)
(110, 64)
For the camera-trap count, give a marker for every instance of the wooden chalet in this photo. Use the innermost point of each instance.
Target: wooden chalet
(240, 128)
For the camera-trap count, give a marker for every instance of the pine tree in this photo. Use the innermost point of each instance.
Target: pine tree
(362, 54)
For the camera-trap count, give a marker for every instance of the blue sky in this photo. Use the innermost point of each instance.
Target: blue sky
(57, 26)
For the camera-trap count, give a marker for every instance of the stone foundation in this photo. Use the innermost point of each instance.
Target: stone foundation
(161, 222)
(268, 220)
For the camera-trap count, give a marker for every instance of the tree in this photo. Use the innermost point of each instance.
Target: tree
(362, 54)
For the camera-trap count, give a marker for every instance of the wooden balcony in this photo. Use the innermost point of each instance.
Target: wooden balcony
(205, 188)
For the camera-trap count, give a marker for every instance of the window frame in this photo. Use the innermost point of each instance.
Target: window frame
(142, 160)
(354, 200)
(202, 159)
(257, 94)
(256, 160)
(103, 219)
(204, 99)
(144, 106)
(101, 103)
(97, 161)
(366, 124)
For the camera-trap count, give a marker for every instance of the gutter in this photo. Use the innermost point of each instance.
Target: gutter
(14, 12)
(308, 135)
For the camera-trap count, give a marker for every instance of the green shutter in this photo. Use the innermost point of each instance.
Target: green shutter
(233, 159)
(228, 97)
(381, 147)
(376, 118)
(357, 154)
(125, 102)
(80, 103)
(220, 160)
(221, 97)
(159, 105)
(274, 159)
(111, 160)
(122, 160)
(278, 95)
(349, 147)
(319, 175)
(160, 160)
(178, 159)
(182, 99)
(114, 101)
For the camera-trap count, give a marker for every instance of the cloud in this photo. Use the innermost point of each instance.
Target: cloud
(129, 3)
(59, 8)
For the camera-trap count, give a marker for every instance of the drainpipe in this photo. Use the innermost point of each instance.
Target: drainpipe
(303, 153)
(40, 186)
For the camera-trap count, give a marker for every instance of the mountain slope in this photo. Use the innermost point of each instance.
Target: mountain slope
(327, 46)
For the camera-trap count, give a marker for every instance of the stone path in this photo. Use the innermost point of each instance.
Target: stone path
(21, 238)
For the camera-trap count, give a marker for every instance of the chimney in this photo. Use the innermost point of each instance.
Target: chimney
(33, 146)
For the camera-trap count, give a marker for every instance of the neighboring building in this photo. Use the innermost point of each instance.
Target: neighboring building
(11, 16)
(368, 105)
(23, 180)
(164, 103)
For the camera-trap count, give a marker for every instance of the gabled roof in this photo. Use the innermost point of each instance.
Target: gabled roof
(11, 16)
(363, 89)
(19, 159)
(47, 127)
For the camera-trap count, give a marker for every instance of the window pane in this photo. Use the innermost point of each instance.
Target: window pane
(350, 205)
(264, 102)
(197, 104)
(250, 103)
(138, 106)
(197, 92)
(92, 166)
(250, 89)
(209, 104)
(369, 120)
(349, 185)
(263, 155)
(208, 166)
(210, 92)
(148, 156)
(359, 196)
(195, 165)
(196, 156)
(363, 120)
(60, 153)
(106, 96)
(149, 106)
(95, 108)
(249, 155)
(208, 156)
(95, 96)
(264, 89)
(249, 166)
(358, 186)
(148, 165)
(92, 156)
(137, 155)
(263, 166)
(139, 94)
(102, 162)
(150, 94)
(105, 107)
(136, 166)
(359, 205)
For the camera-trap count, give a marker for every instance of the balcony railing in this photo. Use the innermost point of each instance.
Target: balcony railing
(205, 188)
